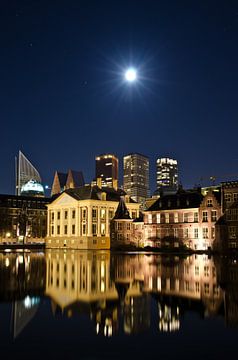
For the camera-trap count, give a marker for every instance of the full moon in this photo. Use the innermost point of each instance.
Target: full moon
(130, 74)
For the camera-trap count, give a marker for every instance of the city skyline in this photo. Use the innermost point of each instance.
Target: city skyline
(64, 97)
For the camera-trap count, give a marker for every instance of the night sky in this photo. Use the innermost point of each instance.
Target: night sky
(63, 98)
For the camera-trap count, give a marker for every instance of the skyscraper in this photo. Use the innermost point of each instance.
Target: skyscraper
(107, 170)
(136, 176)
(167, 175)
(28, 179)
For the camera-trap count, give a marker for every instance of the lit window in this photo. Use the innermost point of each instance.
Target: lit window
(195, 217)
(214, 215)
(209, 202)
(204, 216)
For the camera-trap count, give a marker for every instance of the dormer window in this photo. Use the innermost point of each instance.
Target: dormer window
(187, 202)
(209, 202)
(103, 196)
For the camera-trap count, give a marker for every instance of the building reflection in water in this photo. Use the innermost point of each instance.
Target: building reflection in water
(120, 293)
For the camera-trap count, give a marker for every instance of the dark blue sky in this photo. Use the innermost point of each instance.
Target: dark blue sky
(63, 99)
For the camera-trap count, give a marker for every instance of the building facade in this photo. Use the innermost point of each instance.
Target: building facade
(227, 226)
(186, 218)
(166, 175)
(26, 172)
(107, 170)
(23, 218)
(124, 230)
(136, 176)
(80, 218)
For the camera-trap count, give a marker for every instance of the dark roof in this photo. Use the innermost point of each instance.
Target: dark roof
(62, 178)
(94, 192)
(122, 211)
(221, 220)
(78, 178)
(181, 200)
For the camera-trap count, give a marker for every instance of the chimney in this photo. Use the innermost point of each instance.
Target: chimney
(99, 182)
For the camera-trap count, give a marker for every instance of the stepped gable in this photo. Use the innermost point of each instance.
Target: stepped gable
(122, 211)
(181, 200)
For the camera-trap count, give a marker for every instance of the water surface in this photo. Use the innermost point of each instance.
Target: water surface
(102, 305)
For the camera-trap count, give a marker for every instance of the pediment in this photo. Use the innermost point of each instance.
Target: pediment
(64, 199)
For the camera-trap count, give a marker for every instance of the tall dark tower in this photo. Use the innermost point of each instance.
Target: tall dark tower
(136, 176)
(107, 170)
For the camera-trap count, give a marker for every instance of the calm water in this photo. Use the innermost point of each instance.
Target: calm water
(101, 305)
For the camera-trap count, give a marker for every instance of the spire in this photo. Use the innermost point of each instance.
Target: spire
(122, 211)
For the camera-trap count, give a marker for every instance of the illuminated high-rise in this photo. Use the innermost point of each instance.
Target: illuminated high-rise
(167, 175)
(107, 170)
(136, 176)
(28, 180)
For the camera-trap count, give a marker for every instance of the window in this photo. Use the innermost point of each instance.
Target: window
(134, 215)
(73, 229)
(66, 215)
(197, 287)
(209, 203)
(119, 226)
(58, 229)
(185, 217)
(195, 217)
(58, 215)
(52, 216)
(206, 289)
(84, 212)
(232, 232)
(175, 232)
(94, 213)
(235, 197)
(103, 213)
(213, 232)
(206, 271)
(214, 215)
(84, 229)
(94, 229)
(111, 214)
(65, 229)
(227, 197)
(196, 233)
(204, 216)
(197, 270)
(176, 217)
(128, 226)
(158, 218)
(205, 233)
(52, 230)
(149, 218)
(185, 233)
(73, 214)
(167, 218)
